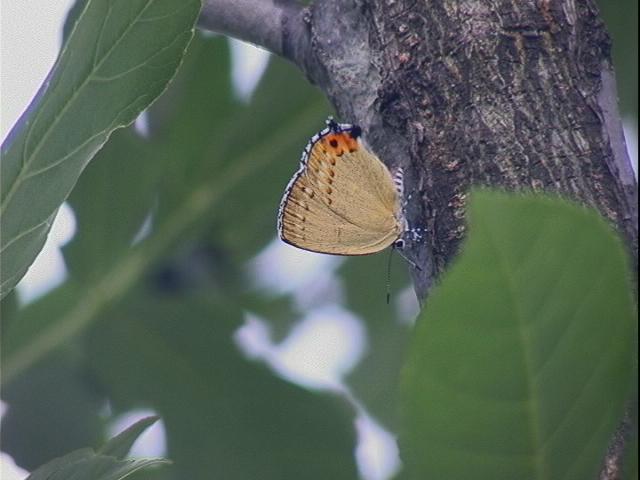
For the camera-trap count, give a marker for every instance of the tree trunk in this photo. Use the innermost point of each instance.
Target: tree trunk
(519, 95)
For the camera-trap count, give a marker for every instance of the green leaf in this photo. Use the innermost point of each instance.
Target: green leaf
(120, 445)
(85, 464)
(119, 57)
(521, 361)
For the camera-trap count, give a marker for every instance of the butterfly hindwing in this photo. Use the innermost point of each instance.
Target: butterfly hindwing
(343, 199)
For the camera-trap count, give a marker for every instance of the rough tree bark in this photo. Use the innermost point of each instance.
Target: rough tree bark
(467, 92)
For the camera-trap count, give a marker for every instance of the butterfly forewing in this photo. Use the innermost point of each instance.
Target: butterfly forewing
(342, 200)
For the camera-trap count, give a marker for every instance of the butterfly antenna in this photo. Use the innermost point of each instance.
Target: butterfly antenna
(398, 246)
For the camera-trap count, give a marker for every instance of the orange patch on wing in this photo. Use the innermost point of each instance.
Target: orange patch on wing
(340, 142)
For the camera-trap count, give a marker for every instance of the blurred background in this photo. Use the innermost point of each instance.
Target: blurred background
(245, 346)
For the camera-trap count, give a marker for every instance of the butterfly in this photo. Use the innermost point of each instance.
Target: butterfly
(343, 200)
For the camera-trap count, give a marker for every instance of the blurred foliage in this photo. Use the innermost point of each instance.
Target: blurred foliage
(166, 224)
(207, 177)
(621, 19)
(106, 464)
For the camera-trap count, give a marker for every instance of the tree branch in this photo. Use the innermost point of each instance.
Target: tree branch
(280, 26)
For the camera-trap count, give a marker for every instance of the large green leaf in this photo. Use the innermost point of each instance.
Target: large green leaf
(118, 58)
(521, 362)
